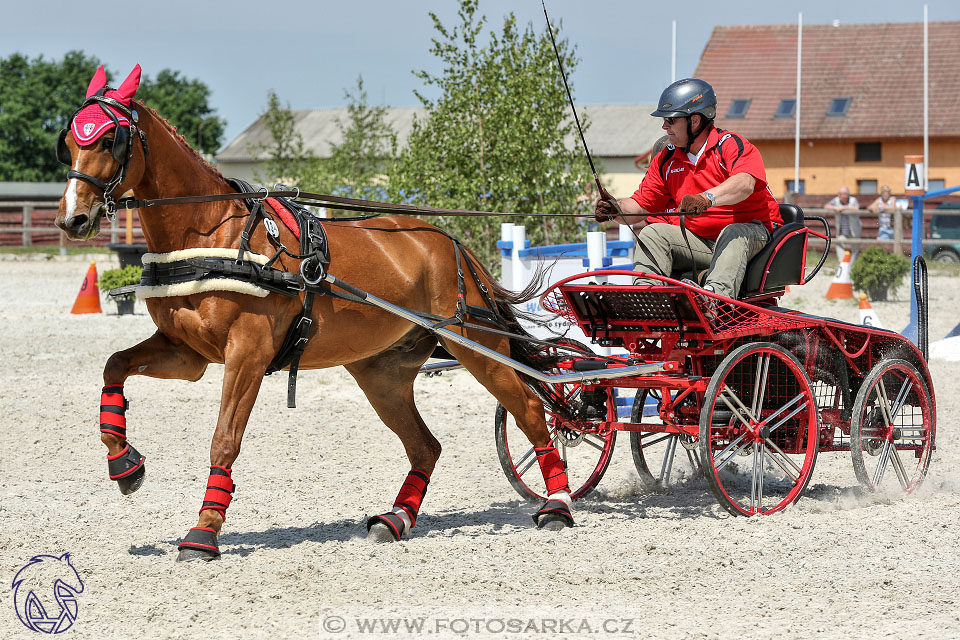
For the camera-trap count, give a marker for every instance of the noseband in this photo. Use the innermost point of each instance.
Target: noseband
(122, 146)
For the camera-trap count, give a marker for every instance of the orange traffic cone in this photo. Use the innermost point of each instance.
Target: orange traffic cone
(868, 316)
(842, 286)
(88, 300)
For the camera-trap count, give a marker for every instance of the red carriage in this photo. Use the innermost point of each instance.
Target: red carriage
(741, 385)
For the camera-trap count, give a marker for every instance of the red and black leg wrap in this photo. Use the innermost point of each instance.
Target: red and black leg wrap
(126, 464)
(409, 500)
(201, 539)
(411, 494)
(557, 509)
(219, 490)
(553, 469)
(113, 411)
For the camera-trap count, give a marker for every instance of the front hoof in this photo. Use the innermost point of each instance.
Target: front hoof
(189, 555)
(132, 483)
(380, 533)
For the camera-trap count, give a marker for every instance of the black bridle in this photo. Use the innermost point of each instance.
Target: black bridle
(122, 150)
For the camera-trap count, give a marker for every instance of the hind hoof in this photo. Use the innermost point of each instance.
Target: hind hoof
(134, 482)
(189, 555)
(552, 523)
(380, 533)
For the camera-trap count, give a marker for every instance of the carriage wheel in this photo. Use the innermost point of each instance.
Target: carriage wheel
(758, 430)
(673, 456)
(892, 428)
(585, 455)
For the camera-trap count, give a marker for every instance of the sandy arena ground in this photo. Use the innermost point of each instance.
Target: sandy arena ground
(296, 564)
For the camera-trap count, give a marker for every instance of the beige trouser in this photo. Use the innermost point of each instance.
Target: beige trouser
(663, 251)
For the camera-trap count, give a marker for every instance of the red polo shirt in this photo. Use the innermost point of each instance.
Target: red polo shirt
(671, 176)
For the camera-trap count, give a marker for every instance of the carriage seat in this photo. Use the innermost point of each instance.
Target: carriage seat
(783, 260)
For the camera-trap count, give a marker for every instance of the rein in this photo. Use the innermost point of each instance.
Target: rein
(347, 204)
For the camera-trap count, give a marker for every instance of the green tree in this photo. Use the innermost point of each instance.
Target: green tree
(494, 139)
(288, 160)
(38, 96)
(366, 150)
(185, 104)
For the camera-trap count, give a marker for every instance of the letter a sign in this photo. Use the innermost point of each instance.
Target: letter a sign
(913, 175)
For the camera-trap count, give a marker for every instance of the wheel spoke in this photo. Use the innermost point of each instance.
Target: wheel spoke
(760, 384)
(596, 445)
(882, 463)
(898, 468)
(781, 458)
(521, 471)
(901, 400)
(786, 406)
(763, 452)
(732, 455)
(661, 438)
(667, 465)
(753, 479)
(726, 390)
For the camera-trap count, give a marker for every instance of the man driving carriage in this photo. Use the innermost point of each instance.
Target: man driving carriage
(715, 179)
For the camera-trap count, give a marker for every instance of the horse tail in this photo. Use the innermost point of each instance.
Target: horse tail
(525, 348)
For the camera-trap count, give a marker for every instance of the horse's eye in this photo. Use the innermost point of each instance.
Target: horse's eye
(106, 144)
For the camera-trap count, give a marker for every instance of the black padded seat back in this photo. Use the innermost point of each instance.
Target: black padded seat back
(791, 213)
(781, 262)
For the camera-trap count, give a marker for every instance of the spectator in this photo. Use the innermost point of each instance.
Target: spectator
(883, 206)
(848, 225)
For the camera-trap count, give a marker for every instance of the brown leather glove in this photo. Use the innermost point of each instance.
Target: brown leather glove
(606, 209)
(695, 204)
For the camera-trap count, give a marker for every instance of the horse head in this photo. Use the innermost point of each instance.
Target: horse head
(98, 146)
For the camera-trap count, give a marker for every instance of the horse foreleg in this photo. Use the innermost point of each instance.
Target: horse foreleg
(387, 381)
(156, 357)
(527, 409)
(242, 376)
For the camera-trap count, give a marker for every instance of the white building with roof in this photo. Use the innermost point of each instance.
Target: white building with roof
(619, 136)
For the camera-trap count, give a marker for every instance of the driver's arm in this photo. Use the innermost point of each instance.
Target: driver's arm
(734, 189)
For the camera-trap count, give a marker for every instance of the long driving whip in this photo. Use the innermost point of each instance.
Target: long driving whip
(604, 194)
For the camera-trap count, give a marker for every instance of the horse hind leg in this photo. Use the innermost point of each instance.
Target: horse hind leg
(387, 381)
(527, 409)
(157, 357)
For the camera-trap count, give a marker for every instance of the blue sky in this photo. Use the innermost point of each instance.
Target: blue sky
(310, 52)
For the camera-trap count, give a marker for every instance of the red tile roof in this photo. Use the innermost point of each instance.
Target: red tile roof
(878, 66)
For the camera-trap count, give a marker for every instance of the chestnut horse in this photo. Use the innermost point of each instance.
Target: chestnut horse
(114, 144)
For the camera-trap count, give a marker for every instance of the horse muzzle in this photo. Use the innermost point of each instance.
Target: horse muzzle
(80, 225)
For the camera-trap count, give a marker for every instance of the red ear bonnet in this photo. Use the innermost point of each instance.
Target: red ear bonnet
(92, 122)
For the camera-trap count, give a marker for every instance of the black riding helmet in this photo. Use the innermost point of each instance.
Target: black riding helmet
(684, 98)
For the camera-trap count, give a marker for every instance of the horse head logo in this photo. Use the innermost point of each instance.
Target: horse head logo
(45, 593)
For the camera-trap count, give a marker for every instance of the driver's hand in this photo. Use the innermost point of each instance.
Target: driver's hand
(606, 209)
(695, 203)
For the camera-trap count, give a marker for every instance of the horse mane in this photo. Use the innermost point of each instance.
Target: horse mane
(213, 171)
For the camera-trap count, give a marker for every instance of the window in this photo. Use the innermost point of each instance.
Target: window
(787, 108)
(738, 108)
(934, 184)
(868, 152)
(866, 187)
(802, 188)
(838, 108)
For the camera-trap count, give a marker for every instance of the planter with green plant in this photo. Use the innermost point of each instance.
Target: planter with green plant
(117, 278)
(877, 271)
